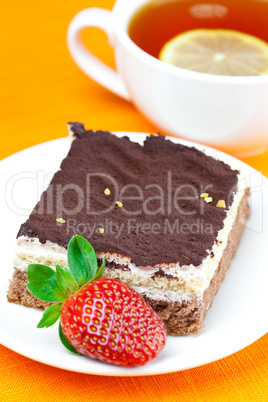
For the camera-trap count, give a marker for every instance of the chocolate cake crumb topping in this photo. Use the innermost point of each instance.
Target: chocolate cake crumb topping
(163, 218)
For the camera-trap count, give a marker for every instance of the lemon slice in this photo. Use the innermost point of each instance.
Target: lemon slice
(217, 51)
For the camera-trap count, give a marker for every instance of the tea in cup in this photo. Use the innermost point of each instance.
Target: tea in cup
(228, 111)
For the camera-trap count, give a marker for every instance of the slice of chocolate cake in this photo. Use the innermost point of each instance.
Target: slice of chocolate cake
(167, 218)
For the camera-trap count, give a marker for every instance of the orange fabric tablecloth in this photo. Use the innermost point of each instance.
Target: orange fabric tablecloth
(42, 89)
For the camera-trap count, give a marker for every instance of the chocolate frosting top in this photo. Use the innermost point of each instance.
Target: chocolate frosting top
(163, 219)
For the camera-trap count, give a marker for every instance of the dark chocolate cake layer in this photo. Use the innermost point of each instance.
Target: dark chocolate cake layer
(162, 219)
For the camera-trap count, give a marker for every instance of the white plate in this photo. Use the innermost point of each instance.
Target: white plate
(237, 318)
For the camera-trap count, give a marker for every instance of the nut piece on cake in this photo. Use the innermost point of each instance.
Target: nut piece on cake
(164, 241)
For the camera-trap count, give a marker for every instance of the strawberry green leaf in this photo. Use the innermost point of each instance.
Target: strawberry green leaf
(65, 341)
(66, 281)
(100, 270)
(82, 260)
(43, 283)
(50, 316)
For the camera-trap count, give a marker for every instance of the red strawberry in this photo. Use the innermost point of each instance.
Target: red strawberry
(104, 319)
(109, 321)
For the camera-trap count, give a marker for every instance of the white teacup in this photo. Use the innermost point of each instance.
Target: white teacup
(218, 110)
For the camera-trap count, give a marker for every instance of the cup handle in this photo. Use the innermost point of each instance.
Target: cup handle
(90, 64)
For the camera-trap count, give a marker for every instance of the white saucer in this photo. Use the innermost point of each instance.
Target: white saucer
(237, 318)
